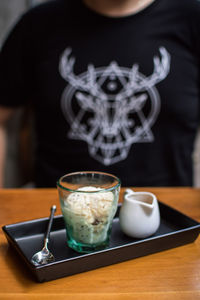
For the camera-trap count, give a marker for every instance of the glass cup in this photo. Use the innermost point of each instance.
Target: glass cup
(88, 203)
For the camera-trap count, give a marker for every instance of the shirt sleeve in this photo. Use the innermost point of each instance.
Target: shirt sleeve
(195, 30)
(195, 21)
(14, 71)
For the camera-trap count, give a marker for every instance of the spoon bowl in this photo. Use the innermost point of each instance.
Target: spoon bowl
(45, 256)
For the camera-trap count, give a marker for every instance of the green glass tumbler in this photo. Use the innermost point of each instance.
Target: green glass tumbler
(88, 202)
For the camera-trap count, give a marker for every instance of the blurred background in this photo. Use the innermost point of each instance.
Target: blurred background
(20, 134)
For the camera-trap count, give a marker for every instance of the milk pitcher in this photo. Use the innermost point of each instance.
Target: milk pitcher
(139, 214)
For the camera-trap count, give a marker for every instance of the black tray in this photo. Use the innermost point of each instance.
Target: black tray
(176, 229)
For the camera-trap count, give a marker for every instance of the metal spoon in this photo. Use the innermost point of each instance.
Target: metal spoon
(45, 256)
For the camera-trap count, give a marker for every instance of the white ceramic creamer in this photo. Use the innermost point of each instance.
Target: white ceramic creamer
(139, 214)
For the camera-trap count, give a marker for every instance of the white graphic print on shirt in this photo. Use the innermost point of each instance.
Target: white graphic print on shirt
(111, 107)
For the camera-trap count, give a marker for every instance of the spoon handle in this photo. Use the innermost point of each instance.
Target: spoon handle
(46, 238)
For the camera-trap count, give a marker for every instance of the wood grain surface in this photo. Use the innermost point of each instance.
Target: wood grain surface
(170, 274)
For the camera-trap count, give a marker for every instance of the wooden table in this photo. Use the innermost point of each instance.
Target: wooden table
(171, 274)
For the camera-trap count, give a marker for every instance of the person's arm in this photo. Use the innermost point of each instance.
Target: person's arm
(5, 114)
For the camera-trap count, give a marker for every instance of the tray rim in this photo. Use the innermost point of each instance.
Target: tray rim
(119, 205)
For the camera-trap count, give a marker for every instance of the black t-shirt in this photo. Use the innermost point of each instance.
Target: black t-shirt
(119, 95)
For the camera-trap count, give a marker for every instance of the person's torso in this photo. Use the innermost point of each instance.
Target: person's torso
(116, 94)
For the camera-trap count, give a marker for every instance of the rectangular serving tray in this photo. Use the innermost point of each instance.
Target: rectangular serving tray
(26, 238)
